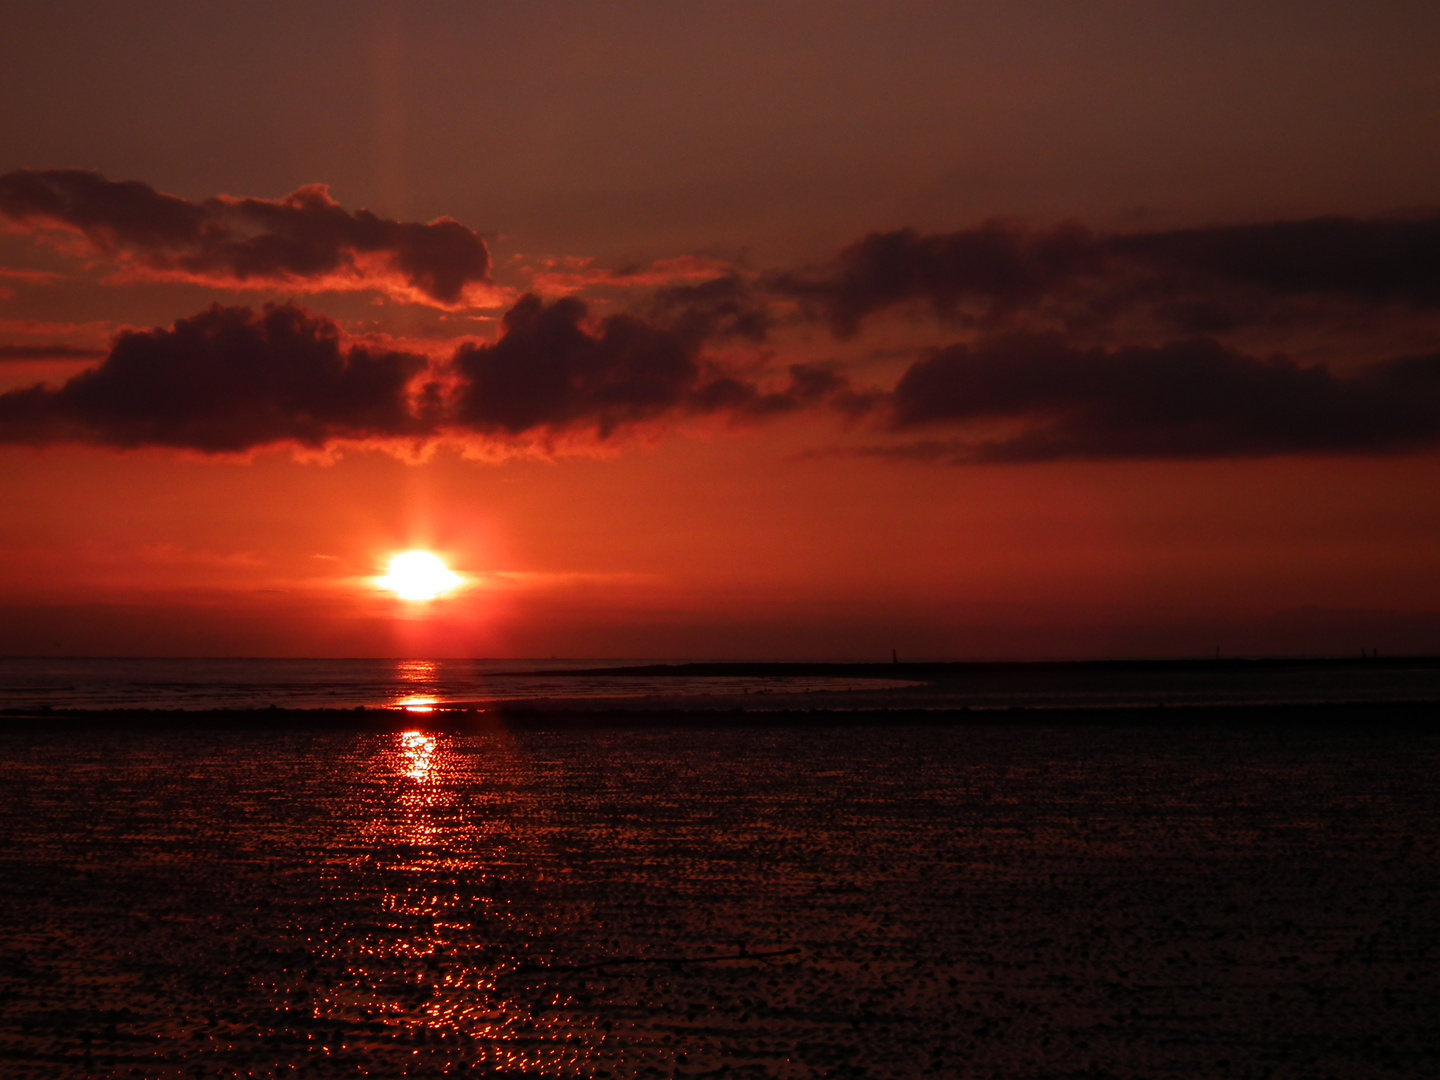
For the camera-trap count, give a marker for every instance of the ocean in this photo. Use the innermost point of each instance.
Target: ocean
(890, 899)
(869, 901)
(30, 683)
(309, 684)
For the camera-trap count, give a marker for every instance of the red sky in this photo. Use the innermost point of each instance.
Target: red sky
(802, 330)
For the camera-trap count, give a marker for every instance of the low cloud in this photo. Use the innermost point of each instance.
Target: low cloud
(572, 275)
(224, 381)
(1382, 259)
(548, 371)
(1185, 399)
(1198, 279)
(997, 265)
(231, 380)
(722, 308)
(1035, 381)
(304, 238)
(551, 371)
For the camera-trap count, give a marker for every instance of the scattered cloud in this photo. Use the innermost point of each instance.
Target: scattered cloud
(306, 238)
(1194, 398)
(1199, 280)
(230, 380)
(1065, 343)
(1381, 259)
(996, 264)
(547, 371)
(224, 381)
(550, 371)
(718, 309)
(570, 275)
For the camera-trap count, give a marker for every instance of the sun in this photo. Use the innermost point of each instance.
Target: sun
(419, 575)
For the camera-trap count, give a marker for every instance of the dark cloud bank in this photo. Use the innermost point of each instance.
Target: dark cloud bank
(1193, 398)
(1208, 279)
(231, 380)
(547, 371)
(225, 380)
(305, 235)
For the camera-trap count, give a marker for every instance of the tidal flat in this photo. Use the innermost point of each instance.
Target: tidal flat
(875, 899)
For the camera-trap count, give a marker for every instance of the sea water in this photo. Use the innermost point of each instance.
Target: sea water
(29, 683)
(307, 684)
(872, 901)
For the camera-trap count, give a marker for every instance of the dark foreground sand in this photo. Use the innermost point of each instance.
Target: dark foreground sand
(612, 892)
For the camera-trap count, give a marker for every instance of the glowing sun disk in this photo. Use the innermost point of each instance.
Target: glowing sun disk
(419, 575)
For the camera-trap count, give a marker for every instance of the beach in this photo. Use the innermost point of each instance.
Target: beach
(605, 891)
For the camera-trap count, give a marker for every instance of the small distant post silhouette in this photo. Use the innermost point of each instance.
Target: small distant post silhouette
(894, 657)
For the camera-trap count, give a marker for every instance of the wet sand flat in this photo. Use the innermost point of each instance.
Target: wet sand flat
(875, 897)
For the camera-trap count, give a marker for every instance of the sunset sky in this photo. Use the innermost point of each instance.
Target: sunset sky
(775, 330)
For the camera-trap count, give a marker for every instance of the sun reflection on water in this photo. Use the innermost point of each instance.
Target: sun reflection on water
(419, 751)
(418, 681)
(442, 970)
(949, 900)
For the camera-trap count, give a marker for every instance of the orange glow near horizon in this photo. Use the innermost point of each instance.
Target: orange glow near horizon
(419, 575)
(523, 353)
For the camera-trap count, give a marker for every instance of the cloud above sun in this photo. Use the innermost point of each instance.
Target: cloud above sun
(1024, 344)
(232, 379)
(306, 239)
(1204, 280)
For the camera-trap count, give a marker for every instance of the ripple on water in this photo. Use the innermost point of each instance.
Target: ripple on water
(783, 904)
